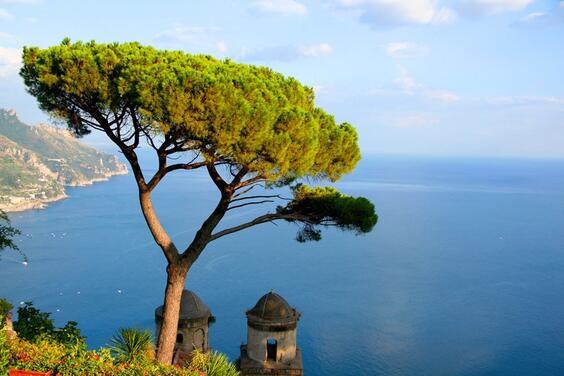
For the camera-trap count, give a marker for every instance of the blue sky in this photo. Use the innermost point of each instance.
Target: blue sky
(433, 77)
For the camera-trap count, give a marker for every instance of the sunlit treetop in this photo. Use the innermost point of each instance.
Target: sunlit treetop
(240, 114)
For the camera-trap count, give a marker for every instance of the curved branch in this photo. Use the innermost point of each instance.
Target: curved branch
(249, 203)
(260, 196)
(185, 166)
(257, 221)
(250, 181)
(163, 170)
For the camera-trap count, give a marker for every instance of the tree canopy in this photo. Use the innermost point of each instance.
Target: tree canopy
(248, 115)
(251, 119)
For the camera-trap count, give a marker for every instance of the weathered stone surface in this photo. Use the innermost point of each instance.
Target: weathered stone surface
(250, 367)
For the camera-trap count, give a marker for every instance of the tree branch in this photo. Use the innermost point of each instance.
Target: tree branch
(257, 221)
(159, 234)
(260, 196)
(185, 166)
(249, 203)
(216, 177)
(250, 181)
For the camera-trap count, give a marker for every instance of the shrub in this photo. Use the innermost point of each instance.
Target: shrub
(212, 364)
(69, 334)
(46, 353)
(131, 343)
(32, 324)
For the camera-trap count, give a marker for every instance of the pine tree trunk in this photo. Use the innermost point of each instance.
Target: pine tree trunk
(176, 277)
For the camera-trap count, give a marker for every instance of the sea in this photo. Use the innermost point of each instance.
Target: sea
(462, 275)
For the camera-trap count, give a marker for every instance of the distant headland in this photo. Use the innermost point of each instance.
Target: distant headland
(37, 162)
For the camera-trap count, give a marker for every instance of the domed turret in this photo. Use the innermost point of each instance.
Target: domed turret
(272, 312)
(271, 338)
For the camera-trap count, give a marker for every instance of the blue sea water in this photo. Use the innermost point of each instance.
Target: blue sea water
(463, 275)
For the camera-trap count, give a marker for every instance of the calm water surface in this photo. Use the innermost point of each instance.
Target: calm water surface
(463, 275)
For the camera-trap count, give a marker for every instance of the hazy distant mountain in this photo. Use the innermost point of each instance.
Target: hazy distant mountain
(37, 162)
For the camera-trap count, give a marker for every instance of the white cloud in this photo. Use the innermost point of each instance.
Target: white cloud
(406, 83)
(415, 120)
(386, 13)
(200, 39)
(533, 19)
(10, 61)
(406, 50)
(488, 7)
(287, 53)
(287, 7)
(5, 15)
(315, 50)
(442, 95)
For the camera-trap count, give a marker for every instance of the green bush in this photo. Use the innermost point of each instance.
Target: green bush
(45, 354)
(32, 324)
(40, 347)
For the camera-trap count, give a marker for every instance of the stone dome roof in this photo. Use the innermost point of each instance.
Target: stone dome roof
(191, 307)
(273, 308)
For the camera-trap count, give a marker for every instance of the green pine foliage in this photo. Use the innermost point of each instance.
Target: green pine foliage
(326, 206)
(242, 113)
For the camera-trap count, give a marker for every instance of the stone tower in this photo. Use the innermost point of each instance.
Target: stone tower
(192, 325)
(271, 347)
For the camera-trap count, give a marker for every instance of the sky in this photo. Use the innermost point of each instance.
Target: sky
(420, 77)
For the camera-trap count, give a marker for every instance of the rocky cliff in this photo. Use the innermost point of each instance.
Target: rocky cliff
(37, 162)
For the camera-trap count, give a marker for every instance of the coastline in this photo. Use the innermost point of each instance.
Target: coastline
(32, 204)
(36, 204)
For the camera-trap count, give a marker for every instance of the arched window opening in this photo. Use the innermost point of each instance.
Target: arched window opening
(179, 338)
(271, 349)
